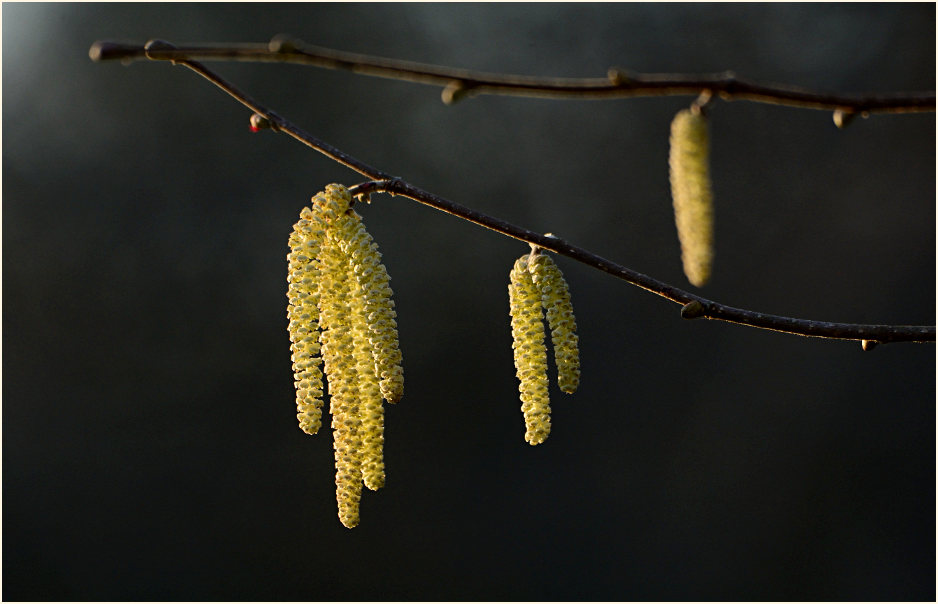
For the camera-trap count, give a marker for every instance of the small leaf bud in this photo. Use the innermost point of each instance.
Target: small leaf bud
(260, 122)
(692, 310)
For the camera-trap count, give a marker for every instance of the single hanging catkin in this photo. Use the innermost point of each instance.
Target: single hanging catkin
(691, 193)
(303, 314)
(376, 345)
(338, 353)
(555, 298)
(375, 290)
(527, 331)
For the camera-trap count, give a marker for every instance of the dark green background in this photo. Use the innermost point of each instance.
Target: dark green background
(150, 449)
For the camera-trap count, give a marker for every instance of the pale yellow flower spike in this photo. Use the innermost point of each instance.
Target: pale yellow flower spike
(303, 315)
(527, 331)
(373, 279)
(338, 353)
(369, 392)
(338, 285)
(555, 297)
(691, 193)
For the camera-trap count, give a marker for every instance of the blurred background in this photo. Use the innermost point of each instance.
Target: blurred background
(150, 448)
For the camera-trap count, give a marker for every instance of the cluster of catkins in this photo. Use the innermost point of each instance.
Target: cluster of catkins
(342, 327)
(536, 283)
(341, 316)
(691, 192)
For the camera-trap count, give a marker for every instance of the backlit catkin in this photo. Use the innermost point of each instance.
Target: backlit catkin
(375, 338)
(373, 281)
(303, 314)
(340, 367)
(527, 331)
(555, 298)
(691, 193)
(340, 307)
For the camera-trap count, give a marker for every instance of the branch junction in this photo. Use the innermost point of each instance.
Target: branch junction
(693, 306)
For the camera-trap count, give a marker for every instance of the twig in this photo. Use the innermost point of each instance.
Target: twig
(693, 306)
(460, 83)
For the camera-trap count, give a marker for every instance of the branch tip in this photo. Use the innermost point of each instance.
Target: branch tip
(98, 51)
(108, 51)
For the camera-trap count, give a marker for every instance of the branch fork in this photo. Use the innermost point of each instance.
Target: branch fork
(619, 83)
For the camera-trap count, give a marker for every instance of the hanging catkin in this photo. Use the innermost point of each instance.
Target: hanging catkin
(375, 291)
(371, 313)
(527, 331)
(692, 194)
(555, 298)
(340, 367)
(303, 314)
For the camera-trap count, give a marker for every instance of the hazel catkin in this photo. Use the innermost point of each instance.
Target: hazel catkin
(303, 314)
(555, 298)
(342, 374)
(375, 290)
(527, 331)
(692, 194)
(342, 318)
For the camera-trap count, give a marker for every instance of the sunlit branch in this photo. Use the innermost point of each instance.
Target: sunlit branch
(693, 306)
(461, 83)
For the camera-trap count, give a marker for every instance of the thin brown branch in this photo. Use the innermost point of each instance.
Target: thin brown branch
(460, 83)
(693, 306)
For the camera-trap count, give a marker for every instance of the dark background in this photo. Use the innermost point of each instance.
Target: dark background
(150, 449)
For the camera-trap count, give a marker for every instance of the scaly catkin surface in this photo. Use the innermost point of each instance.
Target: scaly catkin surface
(692, 194)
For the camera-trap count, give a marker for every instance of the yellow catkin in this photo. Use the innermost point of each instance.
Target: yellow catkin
(692, 194)
(340, 308)
(369, 395)
(527, 330)
(303, 316)
(338, 353)
(375, 288)
(360, 259)
(555, 298)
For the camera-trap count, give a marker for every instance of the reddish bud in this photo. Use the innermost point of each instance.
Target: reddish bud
(259, 122)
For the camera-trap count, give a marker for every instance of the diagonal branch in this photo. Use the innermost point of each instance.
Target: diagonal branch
(460, 83)
(693, 306)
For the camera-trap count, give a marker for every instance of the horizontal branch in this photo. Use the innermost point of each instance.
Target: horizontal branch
(693, 306)
(460, 83)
